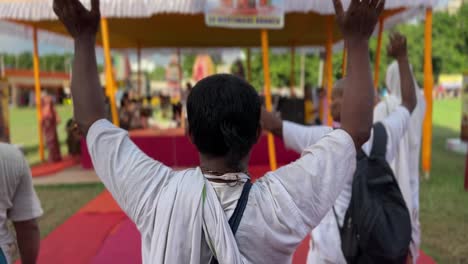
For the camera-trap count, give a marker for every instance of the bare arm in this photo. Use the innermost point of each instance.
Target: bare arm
(88, 98)
(357, 25)
(398, 50)
(28, 237)
(272, 122)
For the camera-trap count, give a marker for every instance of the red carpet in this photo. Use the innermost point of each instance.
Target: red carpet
(114, 249)
(79, 239)
(45, 169)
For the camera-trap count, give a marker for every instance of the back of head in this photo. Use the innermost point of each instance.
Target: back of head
(224, 117)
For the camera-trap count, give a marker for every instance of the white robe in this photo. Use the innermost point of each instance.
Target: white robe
(182, 217)
(326, 241)
(406, 162)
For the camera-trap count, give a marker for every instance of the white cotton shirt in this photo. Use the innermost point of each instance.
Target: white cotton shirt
(326, 242)
(282, 209)
(18, 200)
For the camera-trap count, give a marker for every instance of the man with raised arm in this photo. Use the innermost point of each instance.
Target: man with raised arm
(326, 242)
(183, 215)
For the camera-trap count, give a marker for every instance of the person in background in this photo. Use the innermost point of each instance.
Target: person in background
(185, 95)
(146, 112)
(406, 164)
(135, 112)
(310, 110)
(125, 115)
(73, 138)
(20, 205)
(326, 241)
(4, 130)
(182, 216)
(322, 106)
(238, 69)
(50, 120)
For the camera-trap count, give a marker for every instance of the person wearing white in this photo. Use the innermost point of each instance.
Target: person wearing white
(325, 246)
(168, 209)
(406, 162)
(19, 204)
(183, 215)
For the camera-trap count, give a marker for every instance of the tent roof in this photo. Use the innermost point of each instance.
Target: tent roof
(34, 10)
(180, 23)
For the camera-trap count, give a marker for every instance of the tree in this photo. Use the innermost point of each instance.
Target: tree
(159, 74)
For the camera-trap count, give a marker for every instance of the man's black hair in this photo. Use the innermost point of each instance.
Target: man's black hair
(224, 117)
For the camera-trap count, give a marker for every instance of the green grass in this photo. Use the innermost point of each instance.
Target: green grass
(23, 130)
(61, 202)
(444, 203)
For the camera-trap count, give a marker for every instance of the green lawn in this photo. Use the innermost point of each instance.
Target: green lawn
(444, 203)
(23, 130)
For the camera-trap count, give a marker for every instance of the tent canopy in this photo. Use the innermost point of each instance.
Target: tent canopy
(180, 23)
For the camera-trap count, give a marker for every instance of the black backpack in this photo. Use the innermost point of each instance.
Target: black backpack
(377, 224)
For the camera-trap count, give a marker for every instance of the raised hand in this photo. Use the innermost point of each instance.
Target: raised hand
(358, 23)
(397, 48)
(79, 21)
(272, 122)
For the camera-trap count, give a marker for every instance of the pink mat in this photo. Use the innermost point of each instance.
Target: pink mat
(122, 246)
(79, 239)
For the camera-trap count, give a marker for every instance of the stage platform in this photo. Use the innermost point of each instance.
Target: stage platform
(173, 148)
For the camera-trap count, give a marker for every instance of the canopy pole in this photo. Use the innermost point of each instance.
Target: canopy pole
(249, 65)
(37, 89)
(303, 61)
(110, 83)
(268, 102)
(329, 68)
(378, 54)
(293, 72)
(428, 86)
(344, 65)
(139, 69)
(321, 84)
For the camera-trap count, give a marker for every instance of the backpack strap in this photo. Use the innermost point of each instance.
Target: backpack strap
(236, 217)
(379, 144)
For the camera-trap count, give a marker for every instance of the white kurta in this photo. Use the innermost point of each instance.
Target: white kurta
(18, 200)
(326, 242)
(406, 162)
(177, 212)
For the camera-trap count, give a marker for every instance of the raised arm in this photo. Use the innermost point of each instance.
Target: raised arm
(397, 49)
(357, 25)
(296, 137)
(88, 98)
(134, 179)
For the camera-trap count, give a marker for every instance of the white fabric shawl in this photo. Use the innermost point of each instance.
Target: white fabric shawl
(198, 211)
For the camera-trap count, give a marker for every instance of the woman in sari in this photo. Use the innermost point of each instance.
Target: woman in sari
(50, 120)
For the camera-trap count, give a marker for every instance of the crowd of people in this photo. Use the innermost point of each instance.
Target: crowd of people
(214, 213)
(137, 112)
